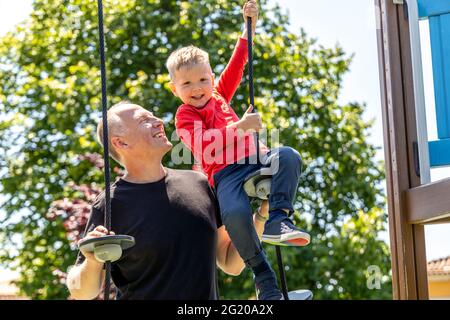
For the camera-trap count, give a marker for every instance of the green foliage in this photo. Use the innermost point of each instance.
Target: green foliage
(50, 101)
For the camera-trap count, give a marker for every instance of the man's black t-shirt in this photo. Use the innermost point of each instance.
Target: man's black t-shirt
(174, 223)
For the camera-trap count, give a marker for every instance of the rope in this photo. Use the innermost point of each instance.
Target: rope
(250, 79)
(284, 288)
(252, 102)
(105, 141)
(107, 287)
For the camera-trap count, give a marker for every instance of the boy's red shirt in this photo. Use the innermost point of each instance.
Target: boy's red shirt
(197, 127)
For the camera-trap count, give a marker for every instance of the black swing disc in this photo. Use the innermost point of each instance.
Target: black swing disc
(124, 241)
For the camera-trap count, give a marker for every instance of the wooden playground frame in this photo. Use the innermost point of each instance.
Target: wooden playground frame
(411, 205)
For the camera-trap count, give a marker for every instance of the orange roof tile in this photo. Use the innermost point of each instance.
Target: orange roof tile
(439, 266)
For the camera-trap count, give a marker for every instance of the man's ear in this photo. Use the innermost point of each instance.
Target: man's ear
(173, 88)
(213, 77)
(118, 143)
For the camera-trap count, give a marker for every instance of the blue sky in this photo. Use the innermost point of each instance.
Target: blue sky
(351, 23)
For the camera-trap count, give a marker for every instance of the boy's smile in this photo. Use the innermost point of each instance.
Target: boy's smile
(193, 84)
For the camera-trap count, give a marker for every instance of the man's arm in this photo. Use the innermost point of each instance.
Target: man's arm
(228, 258)
(85, 281)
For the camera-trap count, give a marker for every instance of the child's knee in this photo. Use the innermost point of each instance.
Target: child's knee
(290, 156)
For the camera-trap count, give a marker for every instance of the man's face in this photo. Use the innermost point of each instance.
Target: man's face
(143, 133)
(194, 84)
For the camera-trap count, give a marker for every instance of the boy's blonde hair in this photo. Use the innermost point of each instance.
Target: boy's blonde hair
(185, 57)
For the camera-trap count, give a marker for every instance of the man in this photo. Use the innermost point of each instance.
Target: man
(172, 214)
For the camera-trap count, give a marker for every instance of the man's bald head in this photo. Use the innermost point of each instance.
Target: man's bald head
(135, 134)
(115, 127)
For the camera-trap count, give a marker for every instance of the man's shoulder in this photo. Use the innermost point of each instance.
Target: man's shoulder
(192, 184)
(190, 179)
(188, 175)
(99, 201)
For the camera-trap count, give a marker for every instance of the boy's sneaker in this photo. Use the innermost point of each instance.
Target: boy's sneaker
(268, 290)
(280, 230)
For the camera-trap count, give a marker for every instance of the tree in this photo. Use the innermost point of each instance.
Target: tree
(50, 98)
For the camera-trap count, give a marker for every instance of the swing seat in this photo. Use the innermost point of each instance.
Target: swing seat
(107, 248)
(300, 295)
(257, 184)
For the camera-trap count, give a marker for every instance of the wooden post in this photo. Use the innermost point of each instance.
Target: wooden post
(407, 240)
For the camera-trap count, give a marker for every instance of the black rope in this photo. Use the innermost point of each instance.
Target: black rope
(107, 287)
(252, 102)
(105, 141)
(284, 288)
(250, 79)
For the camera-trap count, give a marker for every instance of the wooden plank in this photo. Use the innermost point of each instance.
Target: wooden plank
(384, 69)
(420, 258)
(388, 52)
(438, 221)
(423, 160)
(407, 241)
(414, 236)
(429, 203)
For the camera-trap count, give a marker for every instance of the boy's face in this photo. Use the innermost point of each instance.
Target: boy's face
(194, 84)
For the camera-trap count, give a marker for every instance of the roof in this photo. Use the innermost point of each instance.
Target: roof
(439, 267)
(8, 291)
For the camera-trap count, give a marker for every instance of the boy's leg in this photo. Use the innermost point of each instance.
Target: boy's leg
(286, 167)
(236, 212)
(236, 215)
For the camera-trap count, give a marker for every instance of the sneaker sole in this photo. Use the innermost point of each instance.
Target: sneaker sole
(296, 239)
(291, 243)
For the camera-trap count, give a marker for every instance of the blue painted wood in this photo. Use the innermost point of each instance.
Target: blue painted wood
(440, 50)
(438, 14)
(439, 152)
(428, 8)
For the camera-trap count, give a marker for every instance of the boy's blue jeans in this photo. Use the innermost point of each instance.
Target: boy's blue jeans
(235, 205)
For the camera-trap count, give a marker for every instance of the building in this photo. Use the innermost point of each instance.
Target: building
(8, 291)
(439, 279)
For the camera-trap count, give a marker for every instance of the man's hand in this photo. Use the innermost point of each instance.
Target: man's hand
(251, 10)
(250, 121)
(99, 231)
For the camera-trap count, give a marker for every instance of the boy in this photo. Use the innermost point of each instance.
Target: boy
(206, 112)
